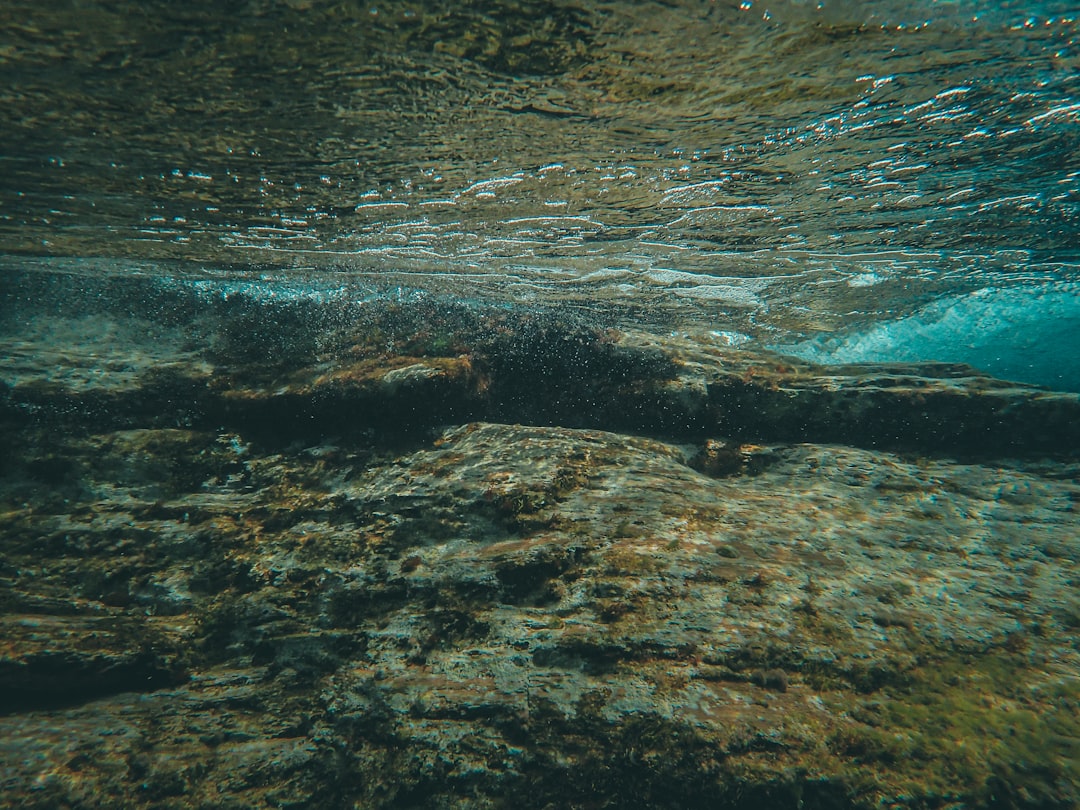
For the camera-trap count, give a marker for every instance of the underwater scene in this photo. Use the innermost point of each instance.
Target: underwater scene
(540, 404)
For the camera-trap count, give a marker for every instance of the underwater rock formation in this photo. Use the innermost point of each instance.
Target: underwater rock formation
(441, 556)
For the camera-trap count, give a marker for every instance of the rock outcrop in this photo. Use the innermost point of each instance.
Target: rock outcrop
(442, 556)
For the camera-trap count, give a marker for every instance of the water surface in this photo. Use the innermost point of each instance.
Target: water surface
(769, 170)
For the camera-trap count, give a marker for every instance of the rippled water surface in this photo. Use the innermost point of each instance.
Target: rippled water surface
(783, 171)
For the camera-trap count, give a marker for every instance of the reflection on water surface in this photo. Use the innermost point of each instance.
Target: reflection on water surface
(774, 170)
(847, 157)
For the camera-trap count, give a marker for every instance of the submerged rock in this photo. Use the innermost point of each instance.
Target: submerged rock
(515, 562)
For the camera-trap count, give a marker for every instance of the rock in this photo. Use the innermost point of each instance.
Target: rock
(629, 589)
(55, 660)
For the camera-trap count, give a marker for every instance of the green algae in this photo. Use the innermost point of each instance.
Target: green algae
(981, 720)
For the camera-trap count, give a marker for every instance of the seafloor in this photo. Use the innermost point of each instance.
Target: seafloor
(271, 552)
